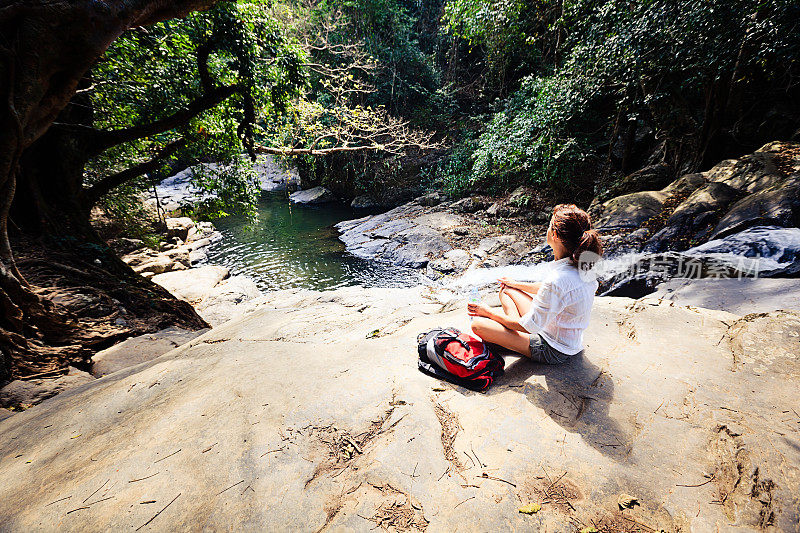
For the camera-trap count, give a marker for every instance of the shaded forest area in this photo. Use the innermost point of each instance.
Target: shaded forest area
(376, 97)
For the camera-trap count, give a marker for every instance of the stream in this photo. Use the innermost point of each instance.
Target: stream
(297, 247)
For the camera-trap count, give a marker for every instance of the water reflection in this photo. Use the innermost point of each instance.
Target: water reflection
(289, 246)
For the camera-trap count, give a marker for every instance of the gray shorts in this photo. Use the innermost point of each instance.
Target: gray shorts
(541, 352)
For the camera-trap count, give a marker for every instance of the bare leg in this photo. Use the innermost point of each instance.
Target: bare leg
(515, 302)
(491, 331)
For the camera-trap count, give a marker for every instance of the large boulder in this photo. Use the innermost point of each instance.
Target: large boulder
(270, 422)
(629, 211)
(778, 205)
(316, 195)
(364, 201)
(274, 177)
(157, 264)
(694, 218)
(140, 349)
(648, 178)
(470, 204)
(685, 185)
(179, 227)
(751, 173)
(409, 235)
(194, 284)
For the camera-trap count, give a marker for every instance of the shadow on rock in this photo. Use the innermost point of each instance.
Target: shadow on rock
(576, 395)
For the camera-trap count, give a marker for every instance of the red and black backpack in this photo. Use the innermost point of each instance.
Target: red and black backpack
(459, 358)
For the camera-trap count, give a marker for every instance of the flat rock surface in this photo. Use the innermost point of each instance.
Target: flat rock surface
(224, 301)
(140, 349)
(739, 296)
(309, 413)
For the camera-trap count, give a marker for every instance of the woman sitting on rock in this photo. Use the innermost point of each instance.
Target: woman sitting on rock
(545, 320)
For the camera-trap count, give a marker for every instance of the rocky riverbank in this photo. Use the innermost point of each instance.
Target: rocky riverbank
(740, 210)
(178, 266)
(309, 413)
(465, 239)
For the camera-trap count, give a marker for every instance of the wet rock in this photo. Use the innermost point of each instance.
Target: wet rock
(776, 249)
(33, 391)
(194, 284)
(140, 349)
(316, 195)
(179, 227)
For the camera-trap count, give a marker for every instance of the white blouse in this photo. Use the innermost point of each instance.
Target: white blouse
(560, 310)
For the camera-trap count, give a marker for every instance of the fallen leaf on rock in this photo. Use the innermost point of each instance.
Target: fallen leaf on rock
(438, 389)
(373, 333)
(589, 529)
(531, 508)
(626, 501)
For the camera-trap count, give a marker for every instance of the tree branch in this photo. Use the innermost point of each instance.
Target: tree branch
(108, 138)
(313, 151)
(96, 191)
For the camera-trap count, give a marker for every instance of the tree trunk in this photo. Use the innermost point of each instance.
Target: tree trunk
(46, 47)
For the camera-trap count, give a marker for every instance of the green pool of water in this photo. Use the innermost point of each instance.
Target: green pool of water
(293, 246)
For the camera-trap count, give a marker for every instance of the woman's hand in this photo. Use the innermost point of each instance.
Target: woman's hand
(507, 282)
(478, 309)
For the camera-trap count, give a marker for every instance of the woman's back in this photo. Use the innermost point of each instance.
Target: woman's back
(560, 309)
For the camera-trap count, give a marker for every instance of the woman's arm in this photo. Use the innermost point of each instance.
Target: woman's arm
(479, 309)
(530, 288)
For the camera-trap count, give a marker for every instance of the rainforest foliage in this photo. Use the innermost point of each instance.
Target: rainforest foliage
(563, 95)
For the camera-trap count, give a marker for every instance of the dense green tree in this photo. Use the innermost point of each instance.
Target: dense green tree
(622, 84)
(176, 90)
